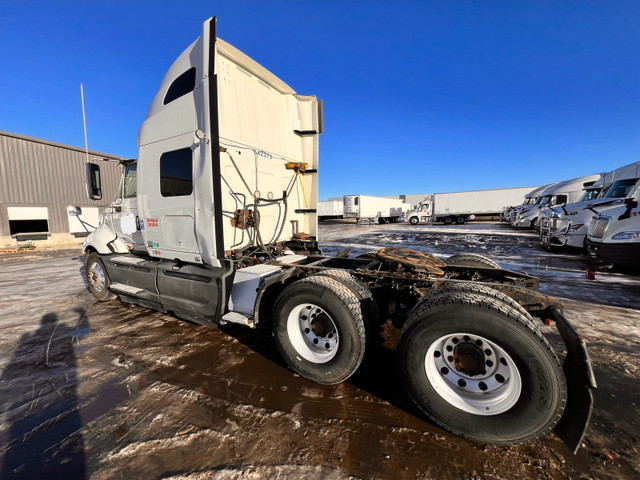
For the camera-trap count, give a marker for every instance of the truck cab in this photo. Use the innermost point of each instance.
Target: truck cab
(614, 231)
(567, 225)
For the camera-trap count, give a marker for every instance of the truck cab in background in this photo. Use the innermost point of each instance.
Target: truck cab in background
(509, 215)
(614, 231)
(557, 194)
(567, 225)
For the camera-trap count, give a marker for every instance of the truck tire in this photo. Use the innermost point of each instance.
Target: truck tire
(413, 220)
(319, 329)
(369, 307)
(382, 220)
(447, 220)
(471, 260)
(484, 290)
(479, 368)
(97, 278)
(460, 219)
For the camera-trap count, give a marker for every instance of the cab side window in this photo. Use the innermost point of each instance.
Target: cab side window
(176, 173)
(130, 182)
(182, 85)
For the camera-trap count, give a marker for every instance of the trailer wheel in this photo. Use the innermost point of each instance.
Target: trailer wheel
(480, 369)
(447, 220)
(97, 278)
(460, 219)
(319, 329)
(382, 220)
(413, 220)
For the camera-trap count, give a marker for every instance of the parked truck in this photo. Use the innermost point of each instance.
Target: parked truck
(510, 213)
(216, 223)
(614, 231)
(559, 193)
(459, 207)
(567, 225)
(379, 209)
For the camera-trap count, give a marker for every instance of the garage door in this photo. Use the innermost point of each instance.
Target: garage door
(28, 220)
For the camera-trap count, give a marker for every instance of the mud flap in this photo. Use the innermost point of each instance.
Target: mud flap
(580, 380)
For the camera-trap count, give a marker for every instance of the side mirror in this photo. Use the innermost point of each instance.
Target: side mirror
(74, 211)
(94, 187)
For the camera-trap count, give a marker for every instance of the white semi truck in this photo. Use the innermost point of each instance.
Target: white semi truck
(614, 232)
(510, 213)
(459, 207)
(380, 209)
(216, 223)
(560, 193)
(566, 225)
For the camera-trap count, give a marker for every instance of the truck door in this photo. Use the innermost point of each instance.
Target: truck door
(125, 215)
(175, 160)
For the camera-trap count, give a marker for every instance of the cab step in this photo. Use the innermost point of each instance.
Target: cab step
(128, 289)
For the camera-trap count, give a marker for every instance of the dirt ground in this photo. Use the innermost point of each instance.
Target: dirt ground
(110, 390)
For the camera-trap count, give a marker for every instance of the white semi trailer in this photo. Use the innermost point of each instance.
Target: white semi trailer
(329, 209)
(211, 238)
(380, 209)
(459, 207)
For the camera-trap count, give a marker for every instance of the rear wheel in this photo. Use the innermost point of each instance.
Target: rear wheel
(471, 260)
(319, 329)
(447, 220)
(479, 368)
(460, 220)
(97, 278)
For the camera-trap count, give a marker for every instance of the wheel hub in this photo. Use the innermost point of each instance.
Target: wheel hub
(96, 277)
(468, 358)
(473, 374)
(313, 333)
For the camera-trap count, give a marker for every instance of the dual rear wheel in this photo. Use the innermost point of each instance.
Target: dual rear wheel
(470, 357)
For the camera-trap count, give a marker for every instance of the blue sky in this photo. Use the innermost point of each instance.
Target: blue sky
(420, 96)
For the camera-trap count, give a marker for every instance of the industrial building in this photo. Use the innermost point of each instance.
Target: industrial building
(39, 179)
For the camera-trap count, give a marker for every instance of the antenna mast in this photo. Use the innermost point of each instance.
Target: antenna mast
(84, 121)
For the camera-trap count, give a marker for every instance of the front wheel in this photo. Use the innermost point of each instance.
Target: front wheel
(319, 329)
(97, 278)
(480, 369)
(413, 220)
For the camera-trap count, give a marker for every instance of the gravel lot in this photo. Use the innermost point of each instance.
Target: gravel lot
(113, 390)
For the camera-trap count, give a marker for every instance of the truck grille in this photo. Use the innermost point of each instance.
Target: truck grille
(598, 226)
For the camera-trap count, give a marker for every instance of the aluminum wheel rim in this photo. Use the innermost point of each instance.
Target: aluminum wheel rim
(491, 392)
(96, 277)
(313, 333)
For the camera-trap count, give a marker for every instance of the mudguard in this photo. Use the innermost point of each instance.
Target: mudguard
(580, 381)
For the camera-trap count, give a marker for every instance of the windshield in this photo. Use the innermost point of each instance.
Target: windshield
(537, 201)
(544, 199)
(621, 188)
(590, 195)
